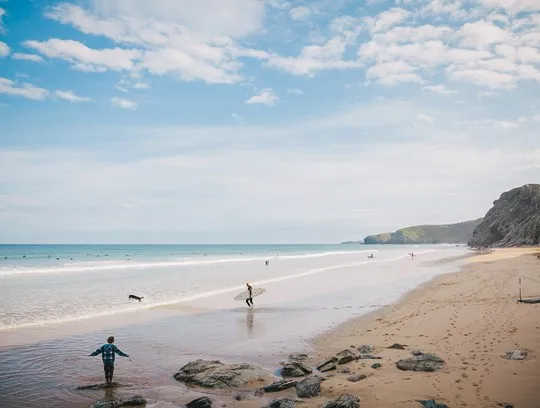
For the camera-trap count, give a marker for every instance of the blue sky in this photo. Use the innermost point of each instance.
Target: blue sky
(222, 121)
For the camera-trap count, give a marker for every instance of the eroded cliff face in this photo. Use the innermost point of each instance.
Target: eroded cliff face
(514, 220)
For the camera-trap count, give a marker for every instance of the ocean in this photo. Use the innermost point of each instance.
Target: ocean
(60, 302)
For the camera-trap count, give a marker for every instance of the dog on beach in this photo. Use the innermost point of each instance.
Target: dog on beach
(139, 298)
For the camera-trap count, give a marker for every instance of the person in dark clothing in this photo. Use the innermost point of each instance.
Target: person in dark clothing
(108, 352)
(249, 300)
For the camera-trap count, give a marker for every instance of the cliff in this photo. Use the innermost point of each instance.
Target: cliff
(427, 234)
(514, 220)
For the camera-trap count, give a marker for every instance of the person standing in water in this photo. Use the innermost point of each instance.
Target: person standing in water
(250, 298)
(108, 352)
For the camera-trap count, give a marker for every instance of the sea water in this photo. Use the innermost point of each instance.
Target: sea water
(310, 289)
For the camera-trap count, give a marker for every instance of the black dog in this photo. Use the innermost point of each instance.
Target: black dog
(136, 297)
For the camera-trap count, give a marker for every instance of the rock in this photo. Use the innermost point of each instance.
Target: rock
(366, 349)
(516, 355)
(298, 357)
(423, 362)
(327, 365)
(344, 370)
(202, 402)
(397, 346)
(214, 374)
(369, 357)
(344, 401)
(134, 401)
(280, 386)
(295, 369)
(240, 396)
(514, 220)
(417, 353)
(281, 403)
(102, 386)
(356, 377)
(309, 387)
(345, 356)
(431, 404)
(259, 392)
(375, 366)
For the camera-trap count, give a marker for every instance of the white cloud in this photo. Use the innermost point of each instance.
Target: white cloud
(4, 49)
(25, 90)
(440, 89)
(265, 97)
(389, 18)
(2, 14)
(86, 59)
(299, 13)
(393, 73)
(425, 118)
(141, 85)
(27, 57)
(483, 77)
(295, 91)
(481, 34)
(513, 6)
(71, 96)
(124, 103)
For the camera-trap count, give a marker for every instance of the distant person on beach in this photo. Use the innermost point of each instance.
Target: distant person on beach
(371, 256)
(250, 299)
(108, 352)
(412, 255)
(267, 263)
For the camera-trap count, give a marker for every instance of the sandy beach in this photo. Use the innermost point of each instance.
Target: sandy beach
(470, 319)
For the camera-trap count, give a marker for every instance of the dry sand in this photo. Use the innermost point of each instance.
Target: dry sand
(470, 319)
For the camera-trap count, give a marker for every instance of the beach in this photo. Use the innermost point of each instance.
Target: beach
(448, 301)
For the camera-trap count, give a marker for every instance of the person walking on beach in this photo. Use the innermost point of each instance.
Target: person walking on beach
(250, 298)
(108, 352)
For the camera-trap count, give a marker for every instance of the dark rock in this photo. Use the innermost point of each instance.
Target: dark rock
(516, 355)
(134, 401)
(295, 369)
(309, 387)
(298, 357)
(366, 349)
(345, 356)
(514, 220)
(344, 370)
(417, 353)
(280, 386)
(202, 402)
(356, 377)
(423, 362)
(327, 365)
(431, 404)
(214, 374)
(259, 392)
(369, 357)
(240, 396)
(281, 403)
(397, 346)
(376, 365)
(344, 401)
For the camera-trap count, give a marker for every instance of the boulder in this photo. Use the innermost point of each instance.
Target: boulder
(516, 355)
(368, 357)
(423, 362)
(240, 396)
(298, 357)
(356, 377)
(397, 346)
(431, 404)
(202, 402)
(309, 387)
(135, 401)
(295, 369)
(327, 365)
(215, 374)
(366, 349)
(280, 386)
(344, 401)
(345, 356)
(281, 403)
(375, 366)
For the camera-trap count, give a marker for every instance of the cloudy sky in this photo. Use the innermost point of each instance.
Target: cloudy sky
(261, 121)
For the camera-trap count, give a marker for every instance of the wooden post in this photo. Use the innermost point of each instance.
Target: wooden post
(520, 289)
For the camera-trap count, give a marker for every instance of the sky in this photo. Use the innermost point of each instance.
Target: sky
(261, 121)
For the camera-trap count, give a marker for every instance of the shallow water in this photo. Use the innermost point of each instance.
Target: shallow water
(305, 296)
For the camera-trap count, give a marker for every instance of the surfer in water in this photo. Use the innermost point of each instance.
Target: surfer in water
(108, 352)
(250, 298)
